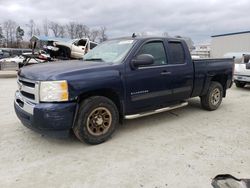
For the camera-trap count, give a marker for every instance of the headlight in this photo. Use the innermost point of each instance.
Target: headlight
(54, 91)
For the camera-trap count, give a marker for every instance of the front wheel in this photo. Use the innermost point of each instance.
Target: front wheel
(96, 120)
(212, 100)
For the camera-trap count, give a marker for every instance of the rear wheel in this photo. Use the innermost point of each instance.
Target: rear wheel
(213, 98)
(240, 84)
(96, 120)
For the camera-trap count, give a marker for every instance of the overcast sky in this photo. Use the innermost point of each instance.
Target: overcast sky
(194, 18)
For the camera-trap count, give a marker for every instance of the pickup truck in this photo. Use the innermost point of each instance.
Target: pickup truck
(242, 71)
(122, 78)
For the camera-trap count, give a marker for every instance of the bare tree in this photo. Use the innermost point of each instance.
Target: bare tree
(19, 36)
(62, 31)
(71, 27)
(45, 27)
(55, 28)
(10, 31)
(86, 31)
(79, 30)
(1, 37)
(32, 26)
(102, 32)
(37, 31)
(94, 34)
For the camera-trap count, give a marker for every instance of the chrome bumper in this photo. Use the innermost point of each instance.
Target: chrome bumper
(24, 104)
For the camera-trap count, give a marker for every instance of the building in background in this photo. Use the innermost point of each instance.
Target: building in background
(201, 51)
(230, 43)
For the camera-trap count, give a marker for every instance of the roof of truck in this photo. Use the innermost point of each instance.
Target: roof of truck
(148, 37)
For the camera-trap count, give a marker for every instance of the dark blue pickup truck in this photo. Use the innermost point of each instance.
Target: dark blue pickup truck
(120, 79)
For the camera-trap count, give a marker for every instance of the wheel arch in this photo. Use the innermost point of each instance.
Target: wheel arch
(222, 79)
(105, 92)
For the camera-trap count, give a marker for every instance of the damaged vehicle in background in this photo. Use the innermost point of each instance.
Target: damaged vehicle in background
(75, 48)
(63, 48)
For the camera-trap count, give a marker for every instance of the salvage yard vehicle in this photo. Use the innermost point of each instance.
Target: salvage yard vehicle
(75, 48)
(242, 71)
(63, 48)
(122, 78)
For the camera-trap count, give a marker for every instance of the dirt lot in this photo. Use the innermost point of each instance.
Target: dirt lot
(184, 148)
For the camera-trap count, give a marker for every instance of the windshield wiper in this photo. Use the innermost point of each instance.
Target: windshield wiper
(94, 59)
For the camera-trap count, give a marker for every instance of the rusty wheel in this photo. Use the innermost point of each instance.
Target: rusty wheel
(99, 121)
(96, 120)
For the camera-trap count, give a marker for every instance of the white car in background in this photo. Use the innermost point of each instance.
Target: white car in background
(241, 69)
(75, 48)
(16, 59)
(242, 72)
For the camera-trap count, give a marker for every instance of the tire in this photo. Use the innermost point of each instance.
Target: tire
(240, 84)
(212, 100)
(96, 121)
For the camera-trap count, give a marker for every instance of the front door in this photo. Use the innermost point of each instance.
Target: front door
(78, 48)
(146, 86)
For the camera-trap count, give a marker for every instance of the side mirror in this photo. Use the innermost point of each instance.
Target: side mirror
(142, 60)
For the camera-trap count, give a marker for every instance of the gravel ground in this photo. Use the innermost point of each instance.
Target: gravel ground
(184, 148)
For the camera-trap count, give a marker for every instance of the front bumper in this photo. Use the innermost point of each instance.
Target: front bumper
(242, 78)
(52, 119)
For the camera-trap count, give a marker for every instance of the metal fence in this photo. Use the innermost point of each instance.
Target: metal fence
(8, 65)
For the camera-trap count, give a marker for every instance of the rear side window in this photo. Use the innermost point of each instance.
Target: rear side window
(176, 53)
(157, 50)
(92, 45)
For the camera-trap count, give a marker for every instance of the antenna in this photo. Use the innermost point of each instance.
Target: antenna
(133, 35)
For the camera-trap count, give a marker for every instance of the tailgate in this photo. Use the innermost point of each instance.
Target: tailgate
(242, 69)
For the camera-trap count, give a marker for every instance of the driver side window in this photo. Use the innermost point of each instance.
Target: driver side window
(157, 50)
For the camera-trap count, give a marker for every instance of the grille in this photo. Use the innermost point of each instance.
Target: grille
(28, 89)
(29, 84)
(28, 95)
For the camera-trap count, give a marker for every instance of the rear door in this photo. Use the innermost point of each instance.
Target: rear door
(148, 87)
(78, 48)
(180, 68)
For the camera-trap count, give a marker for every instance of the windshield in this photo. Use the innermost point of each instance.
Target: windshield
(110, 51)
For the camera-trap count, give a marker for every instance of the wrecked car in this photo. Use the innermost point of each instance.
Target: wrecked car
(75, 48)
(63, 48)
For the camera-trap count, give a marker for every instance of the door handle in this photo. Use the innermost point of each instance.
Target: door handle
(165, 73)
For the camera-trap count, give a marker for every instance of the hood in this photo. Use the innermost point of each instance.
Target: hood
(51, 70)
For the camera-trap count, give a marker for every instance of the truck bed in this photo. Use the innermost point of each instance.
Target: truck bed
(205, 69)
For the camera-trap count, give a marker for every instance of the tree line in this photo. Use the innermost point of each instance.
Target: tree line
(12, 35)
